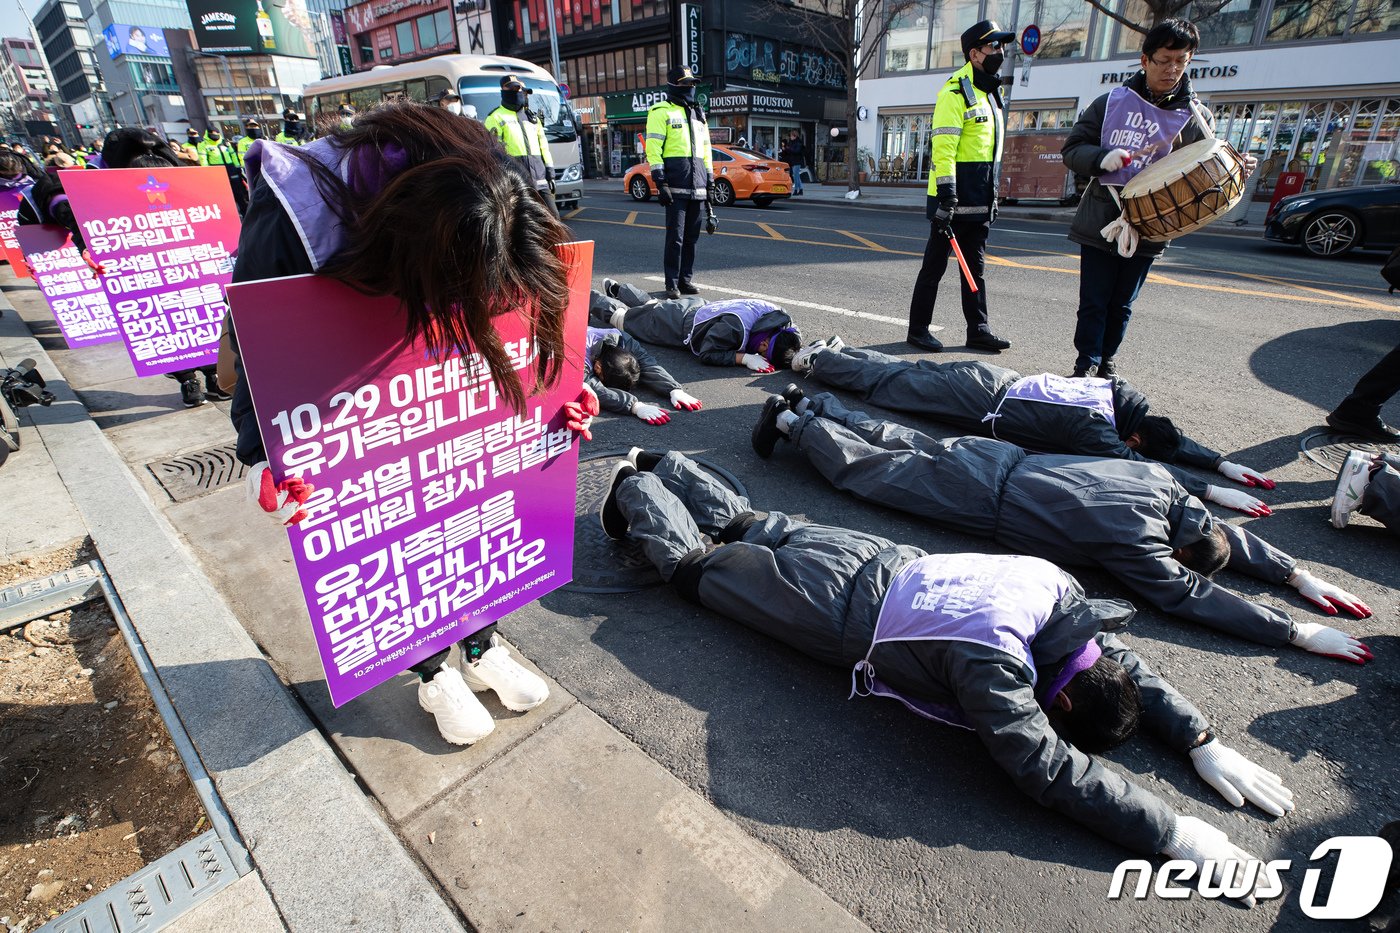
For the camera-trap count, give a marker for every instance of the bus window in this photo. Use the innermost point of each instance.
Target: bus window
(364, 98)
(436, 84)
(416, 90)
(484, 93)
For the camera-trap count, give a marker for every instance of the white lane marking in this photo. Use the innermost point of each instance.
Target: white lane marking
(794, 303)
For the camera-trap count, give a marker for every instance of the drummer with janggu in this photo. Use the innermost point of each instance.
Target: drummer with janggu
(1153, 114)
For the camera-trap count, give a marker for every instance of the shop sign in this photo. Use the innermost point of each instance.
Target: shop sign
(805, 106)
(770, 61)
(692, 36)
(1196, 73)
(633, 105)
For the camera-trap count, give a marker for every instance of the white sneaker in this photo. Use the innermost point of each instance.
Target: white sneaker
(1351, 486)
(617, 318)
(835, 344)
(461, 718)
(496, 670)
(610, 288)
(802, 359)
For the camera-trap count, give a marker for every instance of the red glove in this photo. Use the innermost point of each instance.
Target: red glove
(579, 415)
(96, 267)
(284, 501)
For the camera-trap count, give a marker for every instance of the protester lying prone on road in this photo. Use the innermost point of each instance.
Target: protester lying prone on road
(418, 203)
(737, 332)
(1006, 646)
(1370, 484)
(1131, 518)
(1045, 413)
(615, 364)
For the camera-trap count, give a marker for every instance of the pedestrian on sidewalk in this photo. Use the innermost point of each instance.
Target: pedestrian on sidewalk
(969, 129)
(1112, 271)
(795, 155)
(678, 151)
(376, 188)
(1008, 647)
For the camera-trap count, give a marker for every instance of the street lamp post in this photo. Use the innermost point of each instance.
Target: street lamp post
(228, 73)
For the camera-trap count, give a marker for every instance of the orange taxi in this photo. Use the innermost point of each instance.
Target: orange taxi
(740, 175)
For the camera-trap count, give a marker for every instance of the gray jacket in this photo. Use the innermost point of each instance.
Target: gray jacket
(997, 694)
(1077, 511)
(1083, 151)
(654, 376)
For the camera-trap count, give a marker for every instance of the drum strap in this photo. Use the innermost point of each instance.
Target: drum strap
(1120, 232)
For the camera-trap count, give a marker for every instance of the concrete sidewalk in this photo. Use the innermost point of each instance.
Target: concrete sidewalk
(360, 817)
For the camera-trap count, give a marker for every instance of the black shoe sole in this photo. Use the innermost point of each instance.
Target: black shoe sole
(926, 346)
(609, 513)
(1368, 432)
(648, 459)
(792, 395)
(688, 290)
(766, 433)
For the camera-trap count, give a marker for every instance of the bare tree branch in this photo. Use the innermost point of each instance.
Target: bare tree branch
(1106, 11)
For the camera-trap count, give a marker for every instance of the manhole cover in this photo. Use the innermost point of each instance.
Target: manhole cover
(1329, 450)
(602, 565)
(194, 474)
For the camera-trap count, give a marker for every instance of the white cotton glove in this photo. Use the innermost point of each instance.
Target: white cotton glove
(1244, 475)
(283, 501)
(1239, 501)
(1198, 841)
(1325, 640)
(1251, 162)
(651, 414)
(680, 398)
(756, 363)
(1237, 778)
(1327, 597)
(1115, 159)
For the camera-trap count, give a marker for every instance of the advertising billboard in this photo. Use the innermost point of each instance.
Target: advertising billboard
(135, 40)
(253, 27)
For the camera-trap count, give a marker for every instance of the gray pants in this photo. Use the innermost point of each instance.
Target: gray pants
(1382, 498)
(956, 482)
(961, 392)
(664, 322)
(787, 579)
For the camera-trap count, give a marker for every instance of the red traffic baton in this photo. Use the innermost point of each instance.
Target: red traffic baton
(967, 273)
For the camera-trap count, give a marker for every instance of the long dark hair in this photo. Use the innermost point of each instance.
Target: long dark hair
(459, 236)
(130, 147)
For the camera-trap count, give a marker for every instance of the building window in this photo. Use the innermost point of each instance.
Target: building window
(1372, 16)
(366, 50)
(906, 44)
(404, 38)
(386, 52)
(1232, 26)
(446, 34)
(427, 31)
(1292, 20)
(1064, 29)
(904, 147)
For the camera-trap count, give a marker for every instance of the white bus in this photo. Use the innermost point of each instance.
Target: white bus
(478, 79)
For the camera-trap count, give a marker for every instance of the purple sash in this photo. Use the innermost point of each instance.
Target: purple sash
(1145, 130)
(747, 310)
(597, 335)
(1051, 389)
(1001, 601)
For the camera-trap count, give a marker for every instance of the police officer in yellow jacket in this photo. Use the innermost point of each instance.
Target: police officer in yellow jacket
(213, 150)
(252, 132)
(678, 151)
(969, 127)
(521, 131)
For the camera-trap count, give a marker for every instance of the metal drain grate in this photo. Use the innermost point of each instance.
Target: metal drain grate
(155, 895)
(35, 599)
(602, 565)
(195, 474)
(1329, 450)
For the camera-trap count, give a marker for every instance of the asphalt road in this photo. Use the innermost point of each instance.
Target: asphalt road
(908, 824)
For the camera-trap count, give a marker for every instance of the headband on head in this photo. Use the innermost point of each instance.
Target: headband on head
(771, 336)
(1077, 663)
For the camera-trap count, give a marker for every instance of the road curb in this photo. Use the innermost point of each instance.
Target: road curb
(290, 797)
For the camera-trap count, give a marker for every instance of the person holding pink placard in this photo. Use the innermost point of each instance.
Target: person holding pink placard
(414, 202)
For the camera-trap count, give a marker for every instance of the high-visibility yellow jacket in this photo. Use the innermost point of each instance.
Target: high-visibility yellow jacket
(969, 128)
(678, 143)
(522, 134)
(216, 153)
(286, 140)
(243, 145)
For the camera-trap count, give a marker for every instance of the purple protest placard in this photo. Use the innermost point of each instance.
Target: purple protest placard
(1144, 130)
(437, 510)
(74, 294)
(9, 218)
(166, 237)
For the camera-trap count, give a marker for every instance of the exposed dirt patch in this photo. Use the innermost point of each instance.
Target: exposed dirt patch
(93, 788)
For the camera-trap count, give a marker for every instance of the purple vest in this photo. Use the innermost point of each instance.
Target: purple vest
(1093, 394)
(597, 335)
(1001, 601)
(746, 310)
(290, 178)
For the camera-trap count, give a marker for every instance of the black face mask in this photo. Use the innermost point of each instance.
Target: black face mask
(515, 100)
(992, 63)
(685, 94)
(255, 134)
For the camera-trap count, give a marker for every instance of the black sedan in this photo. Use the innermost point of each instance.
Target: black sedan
(1331, 222)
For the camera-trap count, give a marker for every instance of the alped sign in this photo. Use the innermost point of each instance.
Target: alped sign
(692, 37)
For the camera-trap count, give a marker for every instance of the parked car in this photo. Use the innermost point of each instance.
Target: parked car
(1336, 220)
(740, 175)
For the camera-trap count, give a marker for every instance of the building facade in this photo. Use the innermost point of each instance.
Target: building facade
(28, 96)
(68, 45)
(1305, 86)
(390, 32)
(134, 60)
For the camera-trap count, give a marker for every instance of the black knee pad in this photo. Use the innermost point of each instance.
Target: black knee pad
(739, 525)
(686, 578)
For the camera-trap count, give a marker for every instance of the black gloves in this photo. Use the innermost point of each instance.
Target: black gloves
(663, 193)
(940, 209)
(549, 177)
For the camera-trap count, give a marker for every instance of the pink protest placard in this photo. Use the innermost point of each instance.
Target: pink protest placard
(167, 238)
(437, 509)
(74, 294)
(9, 218)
